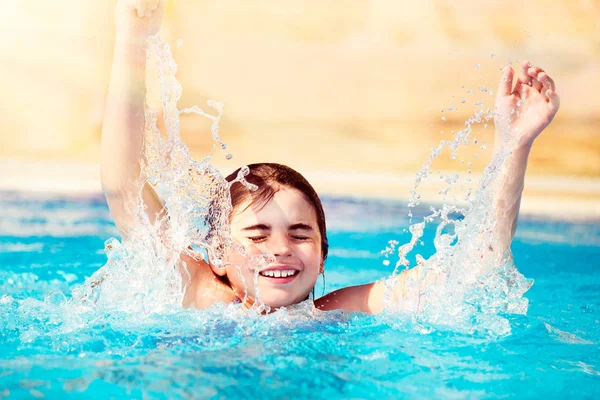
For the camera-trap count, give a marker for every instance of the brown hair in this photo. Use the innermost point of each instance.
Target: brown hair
(269, 177)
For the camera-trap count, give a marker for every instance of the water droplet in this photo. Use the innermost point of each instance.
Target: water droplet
(223, 146)
(463, 101)
(477, 66)
(452, 179)
(443, 118)
(493, 55)
(229, 156)
(386, 262)
(179, 42)
(480, 104)
(451, 108)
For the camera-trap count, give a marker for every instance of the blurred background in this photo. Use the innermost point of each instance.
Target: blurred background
(350, 92)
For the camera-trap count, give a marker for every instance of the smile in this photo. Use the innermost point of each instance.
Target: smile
(275, 273)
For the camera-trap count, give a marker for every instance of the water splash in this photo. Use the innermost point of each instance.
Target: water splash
(145, 273)
(471, 279)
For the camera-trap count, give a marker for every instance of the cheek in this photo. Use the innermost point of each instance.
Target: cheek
(240, 261)
(237, 254)
(312, 257)
(248, 246)
(239, 273)
(237, 276)
(234, 257)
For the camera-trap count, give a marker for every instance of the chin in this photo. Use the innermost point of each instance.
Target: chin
(277, 301)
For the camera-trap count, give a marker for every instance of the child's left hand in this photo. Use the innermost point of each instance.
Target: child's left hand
(522, 113)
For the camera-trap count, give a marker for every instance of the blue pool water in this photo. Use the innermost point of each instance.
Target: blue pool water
(52, 348)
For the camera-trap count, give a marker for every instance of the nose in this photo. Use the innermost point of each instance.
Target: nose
(279, 246)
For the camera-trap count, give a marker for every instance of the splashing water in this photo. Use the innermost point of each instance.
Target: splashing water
(476, 281)
(470, 280)
(123, 330)
(144, 274)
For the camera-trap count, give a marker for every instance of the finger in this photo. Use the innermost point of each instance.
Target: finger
(537, 85)
(505, 87)
(518, 88)
(547, 82)
(524, 76)
(523, 91)
(533, 73)
(554, 100)
(141, 7)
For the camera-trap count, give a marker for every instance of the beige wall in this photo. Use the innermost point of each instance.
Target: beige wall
(319, 84)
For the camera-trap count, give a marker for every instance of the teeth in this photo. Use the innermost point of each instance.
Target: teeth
(278, 273)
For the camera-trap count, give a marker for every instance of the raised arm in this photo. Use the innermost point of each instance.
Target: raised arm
(124, 121)
(524, 107)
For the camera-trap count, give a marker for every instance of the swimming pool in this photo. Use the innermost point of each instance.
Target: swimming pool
(51, 349)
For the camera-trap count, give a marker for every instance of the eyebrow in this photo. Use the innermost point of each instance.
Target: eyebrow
(264, 227)
(257, 227)
(301, 226)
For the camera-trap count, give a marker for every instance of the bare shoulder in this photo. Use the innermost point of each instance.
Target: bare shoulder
(202, 287)
(366, 298)
(370, 298)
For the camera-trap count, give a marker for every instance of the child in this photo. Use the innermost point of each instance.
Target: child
(284, 217)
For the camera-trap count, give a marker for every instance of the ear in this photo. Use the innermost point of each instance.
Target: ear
(219, 271)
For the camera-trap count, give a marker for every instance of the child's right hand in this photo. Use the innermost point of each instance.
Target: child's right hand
(136, 20)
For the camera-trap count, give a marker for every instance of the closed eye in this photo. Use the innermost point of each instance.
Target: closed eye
(257, 239)
(300, 237)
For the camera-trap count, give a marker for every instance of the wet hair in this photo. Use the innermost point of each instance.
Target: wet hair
(270, 178)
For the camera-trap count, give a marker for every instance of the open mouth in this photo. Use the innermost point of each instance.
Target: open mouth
(275, 273)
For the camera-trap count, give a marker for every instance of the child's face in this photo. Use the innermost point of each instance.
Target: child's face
(285, 227)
